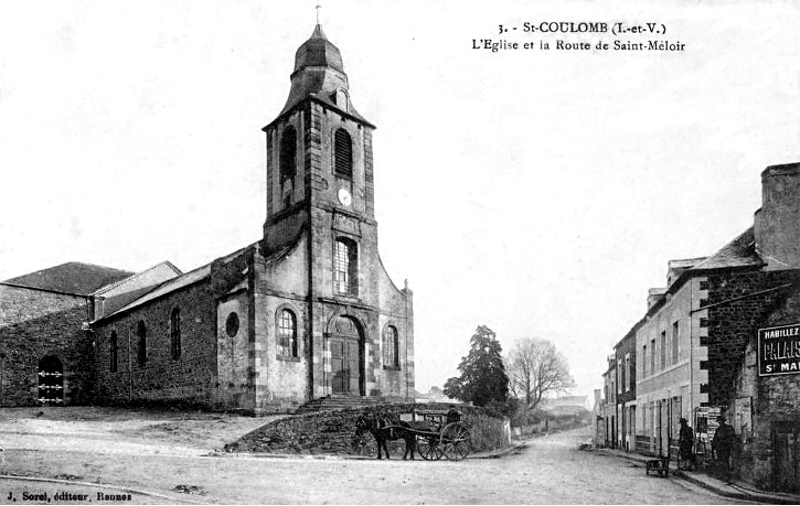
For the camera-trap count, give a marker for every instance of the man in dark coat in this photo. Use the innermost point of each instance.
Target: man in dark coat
(686, 445)
(722, 445)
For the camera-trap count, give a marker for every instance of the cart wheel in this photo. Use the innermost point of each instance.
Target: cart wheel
(455, 441)
(428, 447)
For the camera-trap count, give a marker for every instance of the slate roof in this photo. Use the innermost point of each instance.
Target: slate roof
(184, 280)
(71, 277)
(169, 286)
(740, 252)
(312, 79)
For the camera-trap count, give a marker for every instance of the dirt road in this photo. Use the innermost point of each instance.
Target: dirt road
(550, 470)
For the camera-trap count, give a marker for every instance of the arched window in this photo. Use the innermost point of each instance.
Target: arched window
(287, 334)
(175, 333)
(345, 268)
(391, 347)
(288, 154)
(141, 332)
(113, 351)
(343, 154)
(340, 97)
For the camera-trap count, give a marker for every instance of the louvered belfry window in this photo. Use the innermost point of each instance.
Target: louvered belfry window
(343, 154)
(288, 160)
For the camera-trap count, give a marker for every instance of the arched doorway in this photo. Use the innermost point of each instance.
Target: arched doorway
(51, 380)
(346, 347)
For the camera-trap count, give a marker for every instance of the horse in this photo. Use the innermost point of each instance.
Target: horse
(383, 429)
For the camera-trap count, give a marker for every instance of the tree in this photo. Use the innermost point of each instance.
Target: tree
(483, 379)
(535, 368)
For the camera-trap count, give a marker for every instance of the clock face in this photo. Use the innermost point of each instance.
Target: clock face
(344, 197)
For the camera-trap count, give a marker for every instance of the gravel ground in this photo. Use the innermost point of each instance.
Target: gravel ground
(168, 455)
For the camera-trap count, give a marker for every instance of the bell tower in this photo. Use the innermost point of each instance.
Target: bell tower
(319, 148)
(356, 325)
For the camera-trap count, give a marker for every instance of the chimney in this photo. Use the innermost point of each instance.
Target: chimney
(777, 223)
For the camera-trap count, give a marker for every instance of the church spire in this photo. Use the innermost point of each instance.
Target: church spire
(319, 73)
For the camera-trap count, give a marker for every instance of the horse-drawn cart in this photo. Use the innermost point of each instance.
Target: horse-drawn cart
(432, 433)
(438, 435)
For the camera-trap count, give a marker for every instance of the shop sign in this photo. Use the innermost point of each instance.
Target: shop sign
(779, 350)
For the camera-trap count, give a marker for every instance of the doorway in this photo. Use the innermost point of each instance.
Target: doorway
(51, 381)
(787, 456)
(346, 346)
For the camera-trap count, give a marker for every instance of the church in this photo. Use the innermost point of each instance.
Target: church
(306, 315)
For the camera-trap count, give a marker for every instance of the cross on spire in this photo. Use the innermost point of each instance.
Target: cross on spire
(318, 7)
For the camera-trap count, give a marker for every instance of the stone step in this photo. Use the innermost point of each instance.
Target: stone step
(338, 402)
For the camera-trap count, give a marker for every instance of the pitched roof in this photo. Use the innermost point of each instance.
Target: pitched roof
(71, 277)
(166, 264)
(740, 252)
(179, 282)
(169, 286)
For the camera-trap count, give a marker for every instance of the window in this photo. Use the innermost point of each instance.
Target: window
(287, 334)
(232, 324)
(652, 356)
(175, 333)
(390, 347)
(141, 332)
(345, 270)
(343, 154)
(629, 384)
(644, 361)
(663, 349)
(288, 154)
(675, 338)
(113, 351)
(620, 376)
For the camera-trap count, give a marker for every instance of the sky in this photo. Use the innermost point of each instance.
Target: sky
(538, 192)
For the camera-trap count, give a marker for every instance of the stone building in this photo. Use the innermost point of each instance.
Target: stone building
(693, 343)
(764, 405)
(306, 315)
(608, 406)
(625, 370)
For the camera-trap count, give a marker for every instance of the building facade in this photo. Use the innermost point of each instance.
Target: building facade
(696, 344)
(306, 313)
(625, 357)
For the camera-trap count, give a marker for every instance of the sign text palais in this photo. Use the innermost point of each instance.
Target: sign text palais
(779, 350)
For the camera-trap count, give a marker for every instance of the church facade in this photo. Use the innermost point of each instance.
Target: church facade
(306, 313)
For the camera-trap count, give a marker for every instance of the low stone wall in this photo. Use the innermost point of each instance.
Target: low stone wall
(333, 432)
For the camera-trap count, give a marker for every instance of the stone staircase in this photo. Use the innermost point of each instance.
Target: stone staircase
(332, 402)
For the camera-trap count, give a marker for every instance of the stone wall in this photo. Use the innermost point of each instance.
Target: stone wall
(333, 432)
(736, 303)
(35, 324)
(191, 378)
(759, 403)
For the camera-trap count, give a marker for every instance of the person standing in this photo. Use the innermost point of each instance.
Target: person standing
(686, 445)
(722, 446)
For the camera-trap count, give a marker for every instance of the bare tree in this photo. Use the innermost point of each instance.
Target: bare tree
(536, 367)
